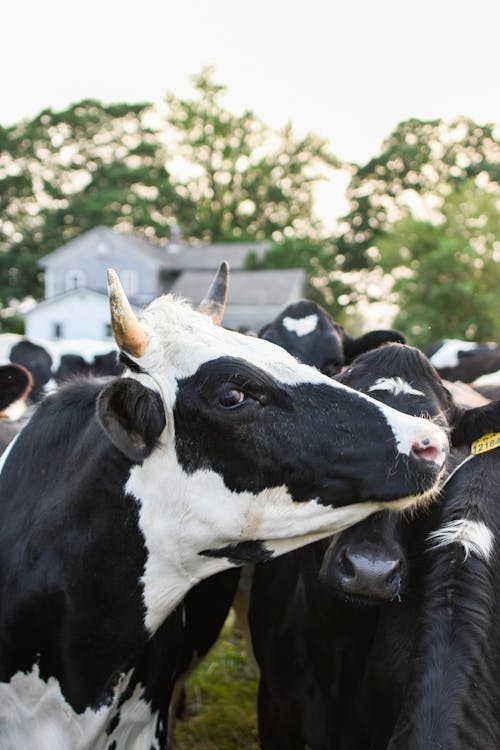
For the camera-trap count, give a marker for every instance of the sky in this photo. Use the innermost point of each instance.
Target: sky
(345, 69)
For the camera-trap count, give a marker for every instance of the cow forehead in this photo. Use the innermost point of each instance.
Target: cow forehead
(181, 339)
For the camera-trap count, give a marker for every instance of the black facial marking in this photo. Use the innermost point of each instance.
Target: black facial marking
(133, 366)
(241, 553)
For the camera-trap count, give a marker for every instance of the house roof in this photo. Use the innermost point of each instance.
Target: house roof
(207, 257)
(100, 234)
(246, 288)
(193, 257)
(81, 292)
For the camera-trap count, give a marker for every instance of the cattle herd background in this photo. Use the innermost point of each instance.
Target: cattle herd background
(382, 635)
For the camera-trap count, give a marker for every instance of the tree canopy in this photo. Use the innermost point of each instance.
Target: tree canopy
(218, 175)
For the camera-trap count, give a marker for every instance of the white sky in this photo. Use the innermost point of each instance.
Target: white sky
(347, 70)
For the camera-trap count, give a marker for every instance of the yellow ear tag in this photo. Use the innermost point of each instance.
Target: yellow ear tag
(486, 443)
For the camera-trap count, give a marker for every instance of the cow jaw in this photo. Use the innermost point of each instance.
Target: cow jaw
(194, 526)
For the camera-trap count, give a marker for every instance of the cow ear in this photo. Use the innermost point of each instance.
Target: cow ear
(132, 416)
(471, 424)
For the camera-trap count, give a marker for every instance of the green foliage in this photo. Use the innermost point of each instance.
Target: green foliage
(247, 181)
(420, 158)
(62, 173)
(221, 701)
(447, 275)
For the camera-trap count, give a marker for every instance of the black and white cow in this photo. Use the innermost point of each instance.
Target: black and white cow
(464, 360)
(433, 675)
(212, 449)
(308, 332)
(311, 638)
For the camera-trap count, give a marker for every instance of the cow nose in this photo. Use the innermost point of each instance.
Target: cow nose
(430, 450)
(369, 577)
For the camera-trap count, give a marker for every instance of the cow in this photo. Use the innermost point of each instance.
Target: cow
(53, 362)
(32, 355)
(310, 636)
(308, 332)
(433, 675)
(15, 385)
(464, 360)
(72, 357)
(210, 450)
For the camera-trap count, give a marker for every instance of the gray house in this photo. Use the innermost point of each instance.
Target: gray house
(76, 304)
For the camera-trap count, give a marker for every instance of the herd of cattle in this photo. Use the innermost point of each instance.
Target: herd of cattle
(338, 468)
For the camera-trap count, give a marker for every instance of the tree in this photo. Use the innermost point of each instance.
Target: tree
(246, 181)
(447, 274)
(64, 172)
(418, 163)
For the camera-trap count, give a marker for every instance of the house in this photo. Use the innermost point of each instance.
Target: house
(76, 303)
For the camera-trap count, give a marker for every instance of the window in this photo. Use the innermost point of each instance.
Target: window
(108, 331)
(57, 330)
(130, 281)
(74, 279)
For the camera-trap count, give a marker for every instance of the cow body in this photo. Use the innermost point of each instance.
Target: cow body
(213, 449)
(433, 677)
(311, 645)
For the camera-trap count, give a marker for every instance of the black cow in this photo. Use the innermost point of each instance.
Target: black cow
(213, 449)
(312, 646)
(83, 357)
(308, 332)
(32, 355)
(464, 360)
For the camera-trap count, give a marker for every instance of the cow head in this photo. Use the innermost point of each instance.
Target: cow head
(308, 332)
(239, 451)
(368, 562)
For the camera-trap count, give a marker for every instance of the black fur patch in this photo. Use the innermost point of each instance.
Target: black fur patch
(241, 553)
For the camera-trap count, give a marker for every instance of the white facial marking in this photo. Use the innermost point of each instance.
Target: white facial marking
(396, 386)
(34, 715)
(474, 536)
(491, 378)
(15, 410)
(301, 326)
(447, 354)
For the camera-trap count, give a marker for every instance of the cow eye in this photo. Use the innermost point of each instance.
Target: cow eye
(232, 397)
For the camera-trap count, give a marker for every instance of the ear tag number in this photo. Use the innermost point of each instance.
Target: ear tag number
(486, 443)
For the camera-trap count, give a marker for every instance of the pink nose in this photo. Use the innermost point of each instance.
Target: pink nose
(429, 451)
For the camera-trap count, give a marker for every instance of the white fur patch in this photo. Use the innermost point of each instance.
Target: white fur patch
(396, 386)
(34, 715)
(301, 326)
(491, 378)
(447, 354)
(474, 536)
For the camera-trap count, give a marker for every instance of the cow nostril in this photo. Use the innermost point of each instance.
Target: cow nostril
(428, 452)
(395, 574)
(346, 566)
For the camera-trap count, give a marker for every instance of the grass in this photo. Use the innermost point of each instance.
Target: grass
(221, 700)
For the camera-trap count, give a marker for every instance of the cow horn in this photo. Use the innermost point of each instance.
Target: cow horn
(214, 303)
(127, 331)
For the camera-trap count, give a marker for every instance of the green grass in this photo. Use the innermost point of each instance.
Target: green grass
(221, 701)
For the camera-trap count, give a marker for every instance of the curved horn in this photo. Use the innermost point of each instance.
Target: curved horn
(214, 303)
(126, 328)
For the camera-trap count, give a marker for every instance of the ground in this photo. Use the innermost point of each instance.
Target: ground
(221, 699)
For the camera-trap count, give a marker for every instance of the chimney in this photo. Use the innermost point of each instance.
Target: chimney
(174, 240)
